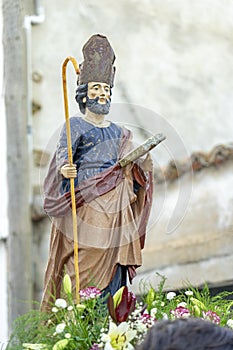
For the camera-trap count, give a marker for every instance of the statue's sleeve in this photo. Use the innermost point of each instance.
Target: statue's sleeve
(62, 149)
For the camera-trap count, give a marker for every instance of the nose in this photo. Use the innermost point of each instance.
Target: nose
(103, 92)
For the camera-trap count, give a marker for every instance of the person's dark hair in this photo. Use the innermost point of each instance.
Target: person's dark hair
(81, 92)
(191, 334)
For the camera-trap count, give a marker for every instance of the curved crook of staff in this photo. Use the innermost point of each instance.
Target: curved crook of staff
(70, 158)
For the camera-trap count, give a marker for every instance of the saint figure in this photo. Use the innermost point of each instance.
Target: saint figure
(113, 203)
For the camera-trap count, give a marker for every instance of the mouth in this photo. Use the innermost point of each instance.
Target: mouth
(102, 100)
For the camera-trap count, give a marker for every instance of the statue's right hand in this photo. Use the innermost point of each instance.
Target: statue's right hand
(69, 171)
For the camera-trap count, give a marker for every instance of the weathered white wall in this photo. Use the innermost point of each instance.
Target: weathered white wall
(200, 249)
(3, 203)
(173, 58)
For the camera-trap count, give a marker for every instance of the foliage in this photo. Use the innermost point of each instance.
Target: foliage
(88, 326)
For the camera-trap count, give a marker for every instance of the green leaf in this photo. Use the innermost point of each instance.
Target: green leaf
(30, 346)
(150, 297)
(61, 344)
(198, 303)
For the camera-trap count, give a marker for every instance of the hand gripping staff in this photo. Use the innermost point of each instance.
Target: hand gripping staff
(70, 158)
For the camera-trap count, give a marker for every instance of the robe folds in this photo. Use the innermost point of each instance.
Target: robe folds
(113, 207)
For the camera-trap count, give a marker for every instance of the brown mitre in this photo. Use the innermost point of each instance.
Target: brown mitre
(98, 61)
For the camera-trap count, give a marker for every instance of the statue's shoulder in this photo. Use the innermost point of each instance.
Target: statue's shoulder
(120, 126)
(77, 124)
(124, 130)
(119, 129)
(116, 125)
(76, 120)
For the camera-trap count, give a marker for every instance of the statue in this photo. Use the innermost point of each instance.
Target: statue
(113, 202)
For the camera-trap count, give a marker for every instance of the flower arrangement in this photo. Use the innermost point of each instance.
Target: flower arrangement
(120, 322)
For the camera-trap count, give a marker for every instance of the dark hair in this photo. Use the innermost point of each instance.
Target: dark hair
(191, 333)
(81, 92)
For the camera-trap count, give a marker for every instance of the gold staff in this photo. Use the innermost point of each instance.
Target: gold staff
(70, 157)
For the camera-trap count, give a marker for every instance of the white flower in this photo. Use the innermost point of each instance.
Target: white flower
(162, 303)
(105, 338)
(188, 292)
(165, 316)
(67, 335)
(60, 327)
(70, 308)
(153, 312)
(61, 303)
(119, 337)
(141, 327)
(54, 309)
(182, 304)
(230, 323)
(171, 295)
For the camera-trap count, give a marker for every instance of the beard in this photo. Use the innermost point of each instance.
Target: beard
(95, 107)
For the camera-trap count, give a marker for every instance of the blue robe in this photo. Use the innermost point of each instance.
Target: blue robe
(94, 149)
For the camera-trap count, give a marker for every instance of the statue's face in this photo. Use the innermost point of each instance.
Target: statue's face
(100, 90)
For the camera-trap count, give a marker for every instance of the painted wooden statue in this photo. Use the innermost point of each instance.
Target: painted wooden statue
(113, 202)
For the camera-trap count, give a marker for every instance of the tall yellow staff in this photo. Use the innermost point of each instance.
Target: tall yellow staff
(70, 158)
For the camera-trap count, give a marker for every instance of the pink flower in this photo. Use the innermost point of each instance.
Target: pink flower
(89, 293)
(180, 312)
(147, 319)
(95, 346)
(211, 316)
